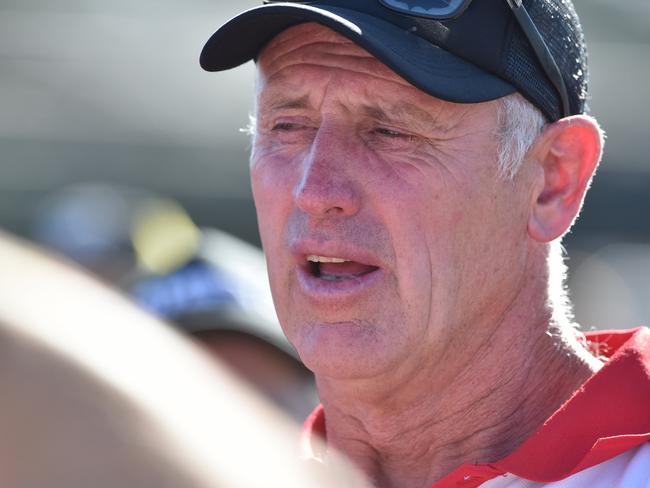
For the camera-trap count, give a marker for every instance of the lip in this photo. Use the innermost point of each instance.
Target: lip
(340, 249)
(335, 292)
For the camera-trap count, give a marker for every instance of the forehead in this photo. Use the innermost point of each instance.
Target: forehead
(304, 57)
(311, 45)
(307, 61)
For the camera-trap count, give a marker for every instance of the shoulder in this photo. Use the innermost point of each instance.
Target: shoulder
(630, 469)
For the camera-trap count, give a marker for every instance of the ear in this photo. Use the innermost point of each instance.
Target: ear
(568, 152)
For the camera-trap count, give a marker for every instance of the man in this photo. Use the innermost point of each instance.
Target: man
(414, 167)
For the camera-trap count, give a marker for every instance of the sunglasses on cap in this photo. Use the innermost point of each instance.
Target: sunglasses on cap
(446, 10)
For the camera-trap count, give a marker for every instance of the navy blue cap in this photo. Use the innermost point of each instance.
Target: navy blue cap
(479, 56)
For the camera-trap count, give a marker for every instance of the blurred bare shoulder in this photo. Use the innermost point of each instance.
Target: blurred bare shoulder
(96, 392)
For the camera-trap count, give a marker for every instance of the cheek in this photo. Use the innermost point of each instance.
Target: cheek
(488, 252)
(271, 185)
(432, 238)
(418, 238)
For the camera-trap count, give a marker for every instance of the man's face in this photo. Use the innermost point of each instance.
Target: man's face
(352, 162)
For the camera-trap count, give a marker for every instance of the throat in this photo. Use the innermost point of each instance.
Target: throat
(433, 419)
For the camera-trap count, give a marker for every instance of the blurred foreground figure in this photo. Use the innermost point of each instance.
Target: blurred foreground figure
(98, 394)
(206, 282)
(414, 167)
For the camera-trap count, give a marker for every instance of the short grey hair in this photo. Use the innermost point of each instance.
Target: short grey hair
(519, 123)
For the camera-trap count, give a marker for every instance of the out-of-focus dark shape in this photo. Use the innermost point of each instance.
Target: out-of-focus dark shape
(98, 393)
(222, 297)
(116, 231)
(90, 224)
(85, 222)
(226, 279)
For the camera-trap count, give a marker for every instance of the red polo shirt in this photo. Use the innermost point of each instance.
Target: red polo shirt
(608, 415)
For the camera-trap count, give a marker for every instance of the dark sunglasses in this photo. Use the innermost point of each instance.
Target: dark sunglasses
(451, 9)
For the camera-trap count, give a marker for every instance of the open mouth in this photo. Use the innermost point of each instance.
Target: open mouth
(337, 269)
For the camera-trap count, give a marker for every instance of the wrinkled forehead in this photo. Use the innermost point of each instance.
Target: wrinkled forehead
(303, 34)
(297, 61)
(314, 44)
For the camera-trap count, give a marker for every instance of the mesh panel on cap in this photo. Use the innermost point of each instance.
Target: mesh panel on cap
(565, 41)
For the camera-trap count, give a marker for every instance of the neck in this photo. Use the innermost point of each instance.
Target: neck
(410, 433)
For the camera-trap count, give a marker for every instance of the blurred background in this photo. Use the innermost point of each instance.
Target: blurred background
(118, 151)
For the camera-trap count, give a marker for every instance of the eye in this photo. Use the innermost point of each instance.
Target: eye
(287, 131)
(383, 131)
(287, 126)
(392, 138)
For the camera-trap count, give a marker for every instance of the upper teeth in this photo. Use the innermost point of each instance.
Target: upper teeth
(325, 259)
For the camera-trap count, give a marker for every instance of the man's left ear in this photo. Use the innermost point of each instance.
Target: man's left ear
(568, 152)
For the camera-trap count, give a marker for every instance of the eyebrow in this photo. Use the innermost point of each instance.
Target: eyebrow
(403, 111)
(281, 101)
(390, 113)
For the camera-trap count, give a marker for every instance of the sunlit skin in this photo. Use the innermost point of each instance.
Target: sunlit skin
(440, 356)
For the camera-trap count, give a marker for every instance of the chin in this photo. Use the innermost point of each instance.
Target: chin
(342, 350)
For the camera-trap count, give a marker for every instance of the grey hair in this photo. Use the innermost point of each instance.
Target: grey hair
(519, 123)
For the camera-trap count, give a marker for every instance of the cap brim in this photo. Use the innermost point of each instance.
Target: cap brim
(424, 65)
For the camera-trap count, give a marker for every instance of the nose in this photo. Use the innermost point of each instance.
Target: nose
(326, 186)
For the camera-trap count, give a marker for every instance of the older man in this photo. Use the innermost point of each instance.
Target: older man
(414, 167)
